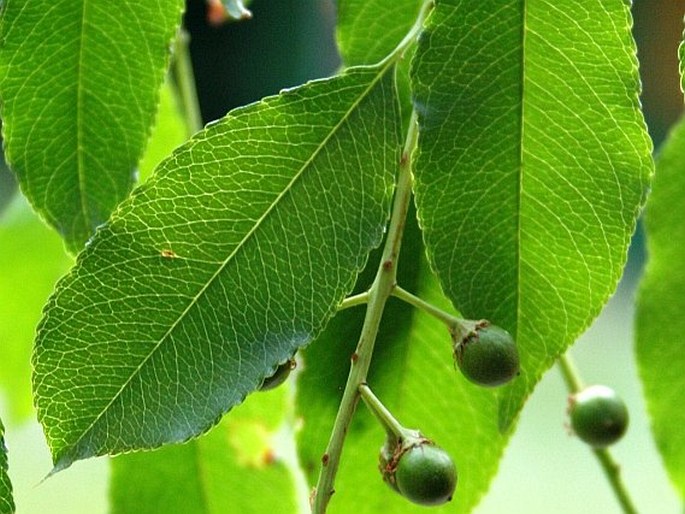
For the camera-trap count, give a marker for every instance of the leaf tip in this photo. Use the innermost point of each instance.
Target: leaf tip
(59, 464)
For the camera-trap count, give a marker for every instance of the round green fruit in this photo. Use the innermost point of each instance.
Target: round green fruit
(487, 355)
(426, 475)
(279, 376)
(598, 416)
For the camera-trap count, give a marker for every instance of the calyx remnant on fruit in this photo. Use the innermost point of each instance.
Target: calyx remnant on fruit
(279, 376)
(418, 469)
(486, 354)
(598, 415)
(392, 451)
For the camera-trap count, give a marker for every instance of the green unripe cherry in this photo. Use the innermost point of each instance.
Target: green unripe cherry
(279, 376)
(426, 475)
(598, 416)
(486, 355)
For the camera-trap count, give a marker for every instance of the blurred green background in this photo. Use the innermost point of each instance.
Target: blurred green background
(288, 42)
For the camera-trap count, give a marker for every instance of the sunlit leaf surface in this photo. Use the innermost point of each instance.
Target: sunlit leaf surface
(369, 30)
(79, 85)
(660, 324)
(170, 131)
(533, 163)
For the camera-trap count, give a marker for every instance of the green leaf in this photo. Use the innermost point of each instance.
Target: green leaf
(368, 30)
(6, 501)
(31, 261)
(533, 163)
(79, 83)
(232, 256)
(237, 467)
(659, 319)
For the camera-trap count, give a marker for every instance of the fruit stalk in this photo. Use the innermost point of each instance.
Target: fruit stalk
(611, 468)
(410, 464)
(486, 354)
(570, 374)
(452, 321)
(392, 427)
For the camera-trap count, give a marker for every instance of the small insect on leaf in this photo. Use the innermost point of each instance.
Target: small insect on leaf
(168, 254)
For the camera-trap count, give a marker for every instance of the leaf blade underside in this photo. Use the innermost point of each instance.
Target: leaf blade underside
(659, 323)
(533, 164)
(228, 259)
(6, 500)
(79, 83)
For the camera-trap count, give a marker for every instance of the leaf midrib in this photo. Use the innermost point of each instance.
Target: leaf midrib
(80, 167)
(382, 70)
(519, 192)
